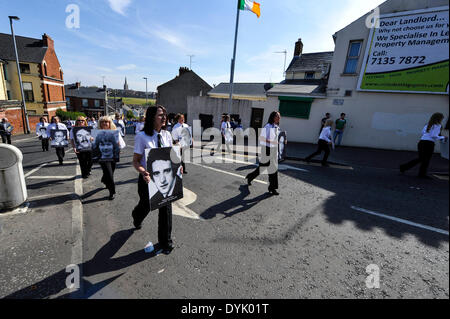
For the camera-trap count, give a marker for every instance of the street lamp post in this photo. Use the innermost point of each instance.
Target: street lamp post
(26, 124)
(146, 95)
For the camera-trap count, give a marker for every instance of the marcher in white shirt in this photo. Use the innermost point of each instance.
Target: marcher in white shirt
(41, 132)
(152, 136)
(227, 134)
(119, 124)
(430, 134)
(139, 125)
(269, 141)
(180, 138)
(57, 125)
(325, 140)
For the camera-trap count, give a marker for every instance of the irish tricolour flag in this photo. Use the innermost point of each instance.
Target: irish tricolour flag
(251, 6)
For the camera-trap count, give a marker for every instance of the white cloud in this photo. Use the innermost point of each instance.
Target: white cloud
(127, 67)
(119, 6)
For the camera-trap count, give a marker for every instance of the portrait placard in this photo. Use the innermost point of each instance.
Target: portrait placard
(59, 138)
(82, 138)
(105, 147)
(166, 183)
(42, 132)
(282, 141)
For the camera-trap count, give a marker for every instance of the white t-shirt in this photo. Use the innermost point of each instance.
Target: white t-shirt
(176, 131)
(142, 141)
(433, 134)
(139, 127)
(325, 134)
(270, 132)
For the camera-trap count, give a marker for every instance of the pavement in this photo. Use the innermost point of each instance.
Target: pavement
(316, 240)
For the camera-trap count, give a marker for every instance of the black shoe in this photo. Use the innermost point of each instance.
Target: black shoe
(184, 172)
(60, 163)
(112, 196)
(85, 176)
(167, 250)
(249, 182)
(325, 165)
(402, 170)
(274, 192)
(136, 225)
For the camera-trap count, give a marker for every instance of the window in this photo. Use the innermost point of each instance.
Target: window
(24, 68)
(97, 103)
(85, 102)
(354, 51)
(297, 107)
(67, 102)
(28, 91)
(348, 93)
(8, 93)
(309, 75)
(5, 73)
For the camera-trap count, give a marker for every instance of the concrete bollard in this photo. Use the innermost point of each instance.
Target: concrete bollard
(13, 190)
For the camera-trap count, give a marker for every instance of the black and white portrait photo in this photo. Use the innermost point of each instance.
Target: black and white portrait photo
(42, 132)
(164, 166)
(282, 141)
(83, 138)
(59, 138)
(105, 146)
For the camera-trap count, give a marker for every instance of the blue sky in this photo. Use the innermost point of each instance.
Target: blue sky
(153, 38)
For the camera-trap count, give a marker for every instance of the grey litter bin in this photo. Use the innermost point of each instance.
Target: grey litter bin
(13, 190)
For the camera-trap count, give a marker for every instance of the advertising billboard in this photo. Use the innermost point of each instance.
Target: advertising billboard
(409, 53)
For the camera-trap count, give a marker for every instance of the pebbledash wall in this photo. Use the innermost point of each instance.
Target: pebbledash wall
(374, 119)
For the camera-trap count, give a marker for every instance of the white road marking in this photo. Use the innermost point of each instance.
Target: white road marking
(404, 221)
(26, 139)
(77, 226)
(442, 177)
(232, 174)
(179, 207)
(36, 169)
(284, 167)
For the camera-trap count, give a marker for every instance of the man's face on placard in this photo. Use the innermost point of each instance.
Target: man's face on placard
(83, 138)
(59, 137)
(163, 176)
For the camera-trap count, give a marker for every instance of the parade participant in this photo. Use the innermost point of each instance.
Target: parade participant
(57, 125)
(92, 122)
(178, 136)
(140, 125)
(430, 134)
(269, 142)
(227, 134)
(153, 136)
(108, 167)
(41, 132)
(119, 123)
(5, 130)
(84, 139)
(324, 144)
(324, 121)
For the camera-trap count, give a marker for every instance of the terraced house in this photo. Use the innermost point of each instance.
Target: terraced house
(42, 76)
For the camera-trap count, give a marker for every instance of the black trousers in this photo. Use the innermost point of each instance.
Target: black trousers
(60, 152)
(426, 150)
(44, 144)
(273, 178)
(85, 159)
(323, 146)
(164, 217)
(6, 138)
(108, 175)
(182, 162)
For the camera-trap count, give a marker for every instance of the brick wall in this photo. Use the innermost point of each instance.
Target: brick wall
(14, 116)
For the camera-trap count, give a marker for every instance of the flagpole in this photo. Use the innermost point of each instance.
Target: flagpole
(233, 61)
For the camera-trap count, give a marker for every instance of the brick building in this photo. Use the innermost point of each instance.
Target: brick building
(92, 101)
(42, 76)
(173, 94)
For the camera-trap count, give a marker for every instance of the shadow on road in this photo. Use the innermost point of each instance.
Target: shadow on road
(102, 262)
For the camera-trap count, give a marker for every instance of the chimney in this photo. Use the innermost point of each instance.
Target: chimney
(183, 70)
(78, 84)
(298, 48)
(48, 42)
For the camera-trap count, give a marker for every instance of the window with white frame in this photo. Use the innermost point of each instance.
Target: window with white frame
(28, 91)
(353, 54)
